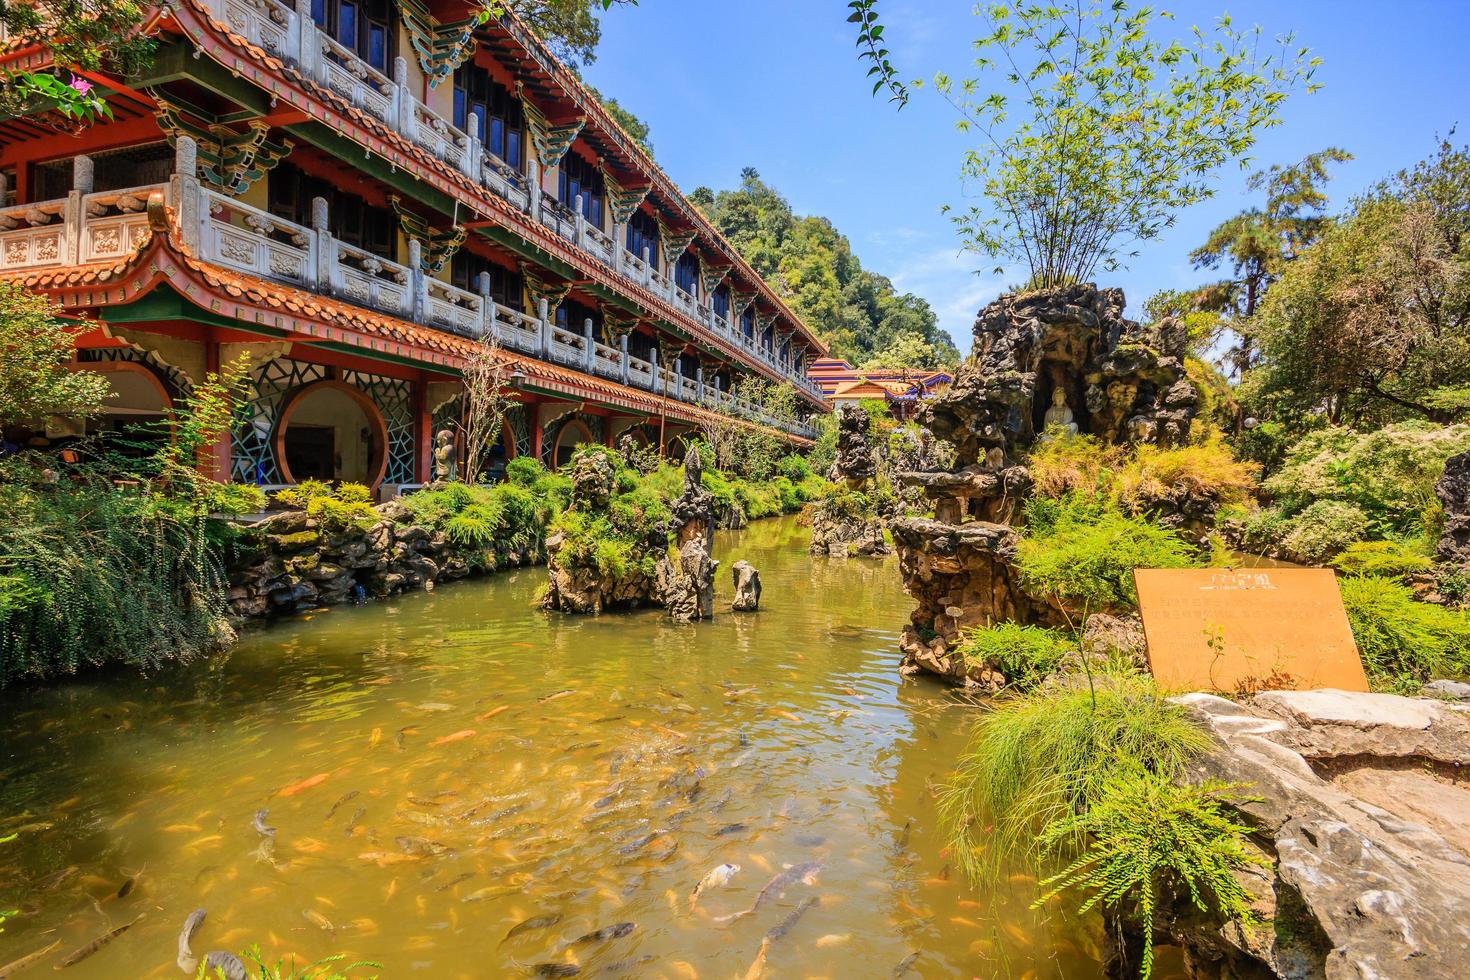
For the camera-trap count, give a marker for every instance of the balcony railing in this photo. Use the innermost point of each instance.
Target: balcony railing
(290, 34)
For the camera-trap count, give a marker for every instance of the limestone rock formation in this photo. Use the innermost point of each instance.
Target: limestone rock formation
(1064, 355)
(687, 587)
(1453, 490)
(1364, 824)
(747, 587)
(847, 523)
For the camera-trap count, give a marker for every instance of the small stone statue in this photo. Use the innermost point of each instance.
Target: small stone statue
(693, 471)
(444, 463)
(1059, 416)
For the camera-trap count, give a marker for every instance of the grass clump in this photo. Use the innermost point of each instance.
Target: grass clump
(1082, 554)
(1135, 479)
(1382, 559)
(1404, 642)
(347, 507)
(1024, 655)
(1147, 833)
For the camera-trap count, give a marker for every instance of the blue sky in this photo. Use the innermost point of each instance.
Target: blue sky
(775, 84)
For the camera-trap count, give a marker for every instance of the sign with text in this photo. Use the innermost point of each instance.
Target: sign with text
(1247, 629)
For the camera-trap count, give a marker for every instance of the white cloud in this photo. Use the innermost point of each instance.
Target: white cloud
(947, 278)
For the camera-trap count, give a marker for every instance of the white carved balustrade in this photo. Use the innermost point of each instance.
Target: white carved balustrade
(264, 23)
(455, 309)
(640, 373)
(116, 222)
(241, 237)
(340, 69)
(34, 235)
(517, 330)
(361, 277)
(435, 133)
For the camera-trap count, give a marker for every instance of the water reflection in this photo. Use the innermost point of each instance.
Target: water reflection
(461, 786)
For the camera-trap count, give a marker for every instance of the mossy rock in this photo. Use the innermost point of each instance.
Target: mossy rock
(299, 541)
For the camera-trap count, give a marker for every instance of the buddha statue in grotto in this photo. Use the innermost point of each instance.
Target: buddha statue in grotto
(1059, 416)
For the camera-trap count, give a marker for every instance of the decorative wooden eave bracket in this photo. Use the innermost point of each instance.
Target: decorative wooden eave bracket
(550, 140)
(227, 159)
(674, 243)
(617, 323)
(711, 275)
(441, 48)
(439, 244)
(542, 288)
(623, 202)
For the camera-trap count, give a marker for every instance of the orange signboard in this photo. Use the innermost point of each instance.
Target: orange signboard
(1228, 629)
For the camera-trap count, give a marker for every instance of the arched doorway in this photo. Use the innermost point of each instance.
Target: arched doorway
(676, 445)
(331, 431)
(135, 410)
(568, 438)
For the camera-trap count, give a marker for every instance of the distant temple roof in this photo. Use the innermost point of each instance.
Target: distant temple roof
(840, 381)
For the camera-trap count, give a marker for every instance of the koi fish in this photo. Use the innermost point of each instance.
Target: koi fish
(456, 737)
(75, 957)
(718, 877)
(304, 785)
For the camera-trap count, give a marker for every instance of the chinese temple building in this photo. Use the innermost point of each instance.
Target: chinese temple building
(348, 195)
(902, 388)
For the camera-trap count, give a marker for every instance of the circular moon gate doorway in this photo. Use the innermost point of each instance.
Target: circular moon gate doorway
(331, 431)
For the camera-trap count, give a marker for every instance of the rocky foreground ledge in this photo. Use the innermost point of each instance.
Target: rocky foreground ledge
(1364, 817)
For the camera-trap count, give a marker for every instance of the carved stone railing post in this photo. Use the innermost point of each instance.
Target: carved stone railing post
(647, 265)
(328, 273)
(488, 327)
(416, 301)
(580, 223)
(653, 370)
(589, 359)
(474, 153)
(620, 244)
(543, 308)
(699, 384)
(623, 357)
(533, 186)
(185, 194)
(406, 118)
(301, 39)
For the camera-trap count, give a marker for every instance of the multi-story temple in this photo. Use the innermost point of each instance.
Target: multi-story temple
(350, 194)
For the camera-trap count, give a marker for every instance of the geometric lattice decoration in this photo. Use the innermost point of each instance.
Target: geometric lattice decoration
(550, 140)
(518, 418)
(446, 416)
(254, 458)
(674, 243)
(623, 202)
(553, 430)
(439, 244)
(394, 398)
(547, 289)
(229, 160)
(441, 47)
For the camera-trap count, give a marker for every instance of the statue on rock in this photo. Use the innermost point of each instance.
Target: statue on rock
(747, 587)
(686, 587)
(847, 522)
(958, 565)
(444, 461)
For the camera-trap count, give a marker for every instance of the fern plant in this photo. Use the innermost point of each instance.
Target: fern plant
(1148, 834)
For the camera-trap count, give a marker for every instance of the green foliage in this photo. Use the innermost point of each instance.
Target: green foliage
(1024, 655)
(570, 28)
(1147, 834)
(1047, 756)
(35, 348)
(81, 36)
(870, 40)
(795, 467)
(92, 573)
(233, 499)
(1372, 322)
(506, 517)
(1404, 642)
(1083, 555)
(1336, 486)
(1135, 480)
(857, 313)
(1382, 559)
(1099, 131)
(346, 507)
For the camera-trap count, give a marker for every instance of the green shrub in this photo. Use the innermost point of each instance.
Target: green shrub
(1146, 834)
(524, 471)
(1321, 530)
(233, 498)
(795, 468)
(1024, 655)
(1404, 642)
(1385, 559)
(1049, 755)
(348, 507)
(1085, 558)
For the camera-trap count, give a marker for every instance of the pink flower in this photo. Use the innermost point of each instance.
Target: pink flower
(81, 85)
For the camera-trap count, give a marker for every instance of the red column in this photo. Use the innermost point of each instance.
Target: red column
(423, 433)
(535, 416)
(216, 464)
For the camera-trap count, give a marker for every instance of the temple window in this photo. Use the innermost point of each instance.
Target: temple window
(349, 218)
(505, 284)
(572, 316)
(720, 301)
(502, 121)
(643, 234)
(686, 274)
(747, 322)
(368, 27)
(112, 170)
(577, 176)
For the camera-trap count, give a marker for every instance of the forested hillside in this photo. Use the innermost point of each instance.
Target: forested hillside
(811, 264)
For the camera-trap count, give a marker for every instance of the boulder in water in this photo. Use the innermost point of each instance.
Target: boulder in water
(747, 587)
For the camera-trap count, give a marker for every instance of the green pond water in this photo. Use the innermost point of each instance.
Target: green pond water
(443, 767)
